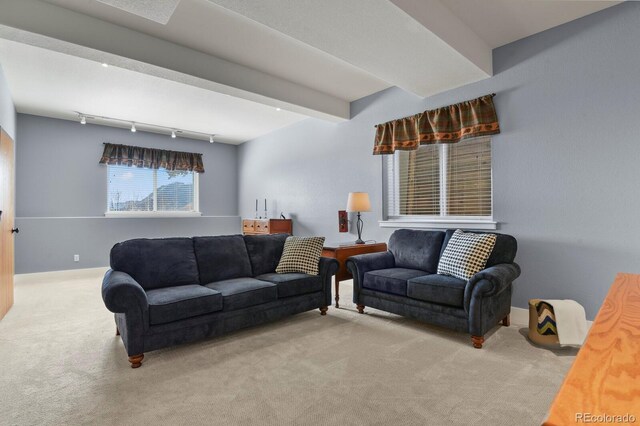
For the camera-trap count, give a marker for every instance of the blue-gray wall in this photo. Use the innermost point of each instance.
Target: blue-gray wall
(7, 110)
(61, 194)
(565, 166)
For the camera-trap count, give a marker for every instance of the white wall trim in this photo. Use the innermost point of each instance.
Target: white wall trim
(62, 275)
(103, 217)
(438, 224)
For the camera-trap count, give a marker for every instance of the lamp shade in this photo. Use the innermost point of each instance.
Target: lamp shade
(358, 202)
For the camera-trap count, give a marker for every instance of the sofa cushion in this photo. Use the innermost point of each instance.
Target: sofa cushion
(264, 251)
(170, 304)
(466, 254)
(221, 258)
(238, 293)
(157, 263)
(435, 288)
(301, 254)
(392, 280)
(504, 250)
(415, 249)
(293, 284)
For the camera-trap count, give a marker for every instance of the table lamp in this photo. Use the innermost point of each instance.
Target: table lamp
(359, 202)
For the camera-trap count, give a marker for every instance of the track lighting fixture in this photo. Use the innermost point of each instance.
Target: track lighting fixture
(192, 134)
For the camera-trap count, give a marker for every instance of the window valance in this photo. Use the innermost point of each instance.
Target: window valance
(150, 158)
(450, 124)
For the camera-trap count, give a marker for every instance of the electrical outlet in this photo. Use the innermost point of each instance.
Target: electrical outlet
(76, 258)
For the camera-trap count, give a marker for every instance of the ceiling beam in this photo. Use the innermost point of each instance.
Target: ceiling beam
(418, 45)
(436, 17)
(52, 27)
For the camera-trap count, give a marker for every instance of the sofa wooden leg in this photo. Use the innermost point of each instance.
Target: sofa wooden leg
(323, 310)
(477, 341)
(360, 309)
(136, 360)
(506, 321)
(117, 331)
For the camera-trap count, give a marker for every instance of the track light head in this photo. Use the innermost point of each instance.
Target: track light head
(83, 119)
(211, 139)
(133, 127)
(173, 134)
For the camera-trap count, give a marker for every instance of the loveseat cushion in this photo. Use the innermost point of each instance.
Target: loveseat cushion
(293, 284)
(442, 289)
(170, 304)
(221, 258)
(392, 280)
(265, 251)
(156, 263)
(416, 249)
(238, 293)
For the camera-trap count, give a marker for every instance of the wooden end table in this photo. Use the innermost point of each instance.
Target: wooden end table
(341, 252)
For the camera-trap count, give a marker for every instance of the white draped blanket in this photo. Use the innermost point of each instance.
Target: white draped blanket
(571, 322)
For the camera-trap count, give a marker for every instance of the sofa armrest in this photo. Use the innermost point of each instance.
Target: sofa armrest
(326, 269)
(361, 264)
(123, 295)
(490, 281)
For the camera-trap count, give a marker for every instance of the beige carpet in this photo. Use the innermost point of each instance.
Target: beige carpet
(62, 364)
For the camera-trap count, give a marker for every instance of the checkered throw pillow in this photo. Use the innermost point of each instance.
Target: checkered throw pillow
(301, 254)
(466, 254)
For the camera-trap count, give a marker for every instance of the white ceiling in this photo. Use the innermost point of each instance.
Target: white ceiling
(56, 85)
(211, 29)
(207, 65)
(499, 22)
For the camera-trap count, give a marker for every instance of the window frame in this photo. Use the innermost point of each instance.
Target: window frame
(156, 213)
(442, 221)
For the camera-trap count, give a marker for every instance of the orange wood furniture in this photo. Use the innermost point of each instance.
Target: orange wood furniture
(342, 251)
(7, 203)
(267, 226)
(605, 377)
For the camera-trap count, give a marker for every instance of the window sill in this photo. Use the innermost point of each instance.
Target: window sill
(439, 223)
(147, 215)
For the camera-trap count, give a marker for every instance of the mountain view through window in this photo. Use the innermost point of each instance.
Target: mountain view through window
(132, 189)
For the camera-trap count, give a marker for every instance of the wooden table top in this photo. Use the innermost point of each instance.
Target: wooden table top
(605, 377)
(348, 244)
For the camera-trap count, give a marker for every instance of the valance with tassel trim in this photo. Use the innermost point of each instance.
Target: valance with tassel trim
(150, 158)
(450, 124)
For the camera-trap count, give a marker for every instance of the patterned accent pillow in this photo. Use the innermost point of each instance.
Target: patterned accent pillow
(301, 254)
(466, 254)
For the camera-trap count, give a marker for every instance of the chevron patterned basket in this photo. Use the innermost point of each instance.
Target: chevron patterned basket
(542, 323)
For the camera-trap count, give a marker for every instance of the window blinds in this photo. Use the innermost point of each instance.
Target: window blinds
(444, 180)
(469, 178)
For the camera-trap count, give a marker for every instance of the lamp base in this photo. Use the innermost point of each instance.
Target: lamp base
(359, 241)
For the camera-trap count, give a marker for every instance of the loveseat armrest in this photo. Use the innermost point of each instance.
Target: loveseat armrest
(326, 269)
(362, 263)
(490, 281)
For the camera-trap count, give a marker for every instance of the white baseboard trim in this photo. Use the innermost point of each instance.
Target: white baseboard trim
(62, 275)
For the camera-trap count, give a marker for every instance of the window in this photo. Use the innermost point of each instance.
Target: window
(136, 191)
(444, 185)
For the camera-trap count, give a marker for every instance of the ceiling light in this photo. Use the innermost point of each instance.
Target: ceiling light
(133, 127)
(104, 64)
(278, 109)
(83, 119)
(173, 134)
(211, 139)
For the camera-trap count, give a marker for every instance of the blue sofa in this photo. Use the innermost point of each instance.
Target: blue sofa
(404, 281)
(170, 291)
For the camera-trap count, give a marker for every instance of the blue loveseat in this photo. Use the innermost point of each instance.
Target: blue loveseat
(404, 281)
(175, 290)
